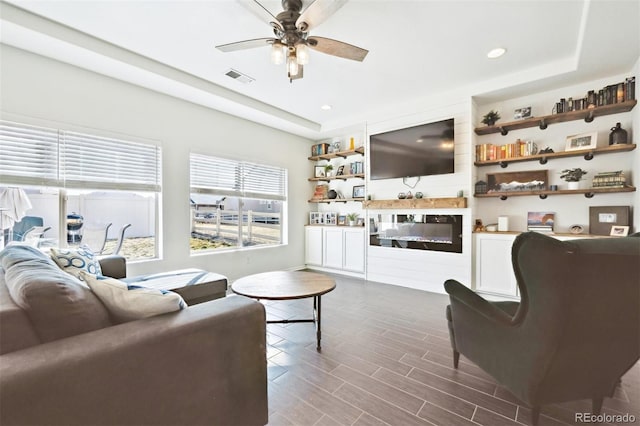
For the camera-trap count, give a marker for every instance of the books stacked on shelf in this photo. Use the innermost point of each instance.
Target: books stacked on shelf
(357, 167)
(611, 94)
(609, 180)
(490, 152)
(540, 221)
(320, 192)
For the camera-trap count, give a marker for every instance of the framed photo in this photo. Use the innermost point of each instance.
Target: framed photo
(582, 141)
(602, 219)
(619, 231)
(318, 171)
(358, 191)
(360, 221)
(340, 170)
(522, 113)
(342, 220)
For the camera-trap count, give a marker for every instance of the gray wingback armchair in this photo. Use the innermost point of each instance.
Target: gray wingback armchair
(574, 333)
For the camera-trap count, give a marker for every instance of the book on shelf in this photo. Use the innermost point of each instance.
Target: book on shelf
(615, 179)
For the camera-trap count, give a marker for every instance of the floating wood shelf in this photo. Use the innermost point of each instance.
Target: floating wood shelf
(588, 154)
(542, 122)
(341, 177)
(417, 203)
(336, 200)
(590, 192)
(341, 154)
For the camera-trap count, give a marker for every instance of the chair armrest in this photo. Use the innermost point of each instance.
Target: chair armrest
(472, 300)
(114, 266)
(203, 365)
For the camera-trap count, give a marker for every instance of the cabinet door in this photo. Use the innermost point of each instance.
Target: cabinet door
(313, 245)
(494, 273)
(354, 249)
(333, 247)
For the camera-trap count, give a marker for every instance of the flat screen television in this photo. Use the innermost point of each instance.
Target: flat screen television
(427, 149)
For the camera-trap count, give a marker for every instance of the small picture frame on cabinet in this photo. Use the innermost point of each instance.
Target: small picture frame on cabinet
(619, 231)
(360, 221)
(342, 220)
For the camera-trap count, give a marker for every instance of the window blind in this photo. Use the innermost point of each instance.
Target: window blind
(28, 155)
(31, 155)
(104, 163)
(221, 176)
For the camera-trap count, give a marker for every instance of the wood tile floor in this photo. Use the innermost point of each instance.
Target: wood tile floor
(386, 359)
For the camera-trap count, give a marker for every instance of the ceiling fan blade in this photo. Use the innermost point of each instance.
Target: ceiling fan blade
(261, 12)
(317, 12)
(337, 48)
(245, 44)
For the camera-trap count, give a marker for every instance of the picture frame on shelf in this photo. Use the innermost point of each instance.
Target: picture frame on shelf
(330, 218)
(340, 171)
(619, 231)
(602, 219)
(358, 191)
(342, 220)
(581, 141)
(360, 221)
(522, 113)
(318, 171)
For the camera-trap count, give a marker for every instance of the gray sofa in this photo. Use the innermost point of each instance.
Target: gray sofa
(63, 360)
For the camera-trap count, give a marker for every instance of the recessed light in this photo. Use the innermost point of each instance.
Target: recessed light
(496, 53)
(325, 107)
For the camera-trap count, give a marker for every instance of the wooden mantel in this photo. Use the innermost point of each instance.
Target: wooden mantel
(417, 203)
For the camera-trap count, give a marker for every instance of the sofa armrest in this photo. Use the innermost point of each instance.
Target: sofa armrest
(203, 365)
(114, 266)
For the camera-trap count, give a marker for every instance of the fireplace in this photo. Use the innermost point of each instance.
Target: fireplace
(417, 231)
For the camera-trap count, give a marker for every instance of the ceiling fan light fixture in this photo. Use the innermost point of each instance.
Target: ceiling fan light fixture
(302, 53)
(277, 53)
(292, 64)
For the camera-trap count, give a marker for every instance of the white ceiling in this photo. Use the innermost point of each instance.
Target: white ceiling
(417, 50)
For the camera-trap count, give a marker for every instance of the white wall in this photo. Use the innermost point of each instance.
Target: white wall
(43, 91)
(569, 209)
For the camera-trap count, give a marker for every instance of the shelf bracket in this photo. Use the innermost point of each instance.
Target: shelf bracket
(543, 160)
(503, 164)
(503, 197)
(589, 194)
(503, 131)
(543, 124)
(588, 156)
(543, 196)
(589, 117)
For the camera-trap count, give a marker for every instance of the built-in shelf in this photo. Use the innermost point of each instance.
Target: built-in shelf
(340, 154)
(336, 200)
(417, 203)
(588, 154)
(341, 177)
(590, 192)
(585, 114)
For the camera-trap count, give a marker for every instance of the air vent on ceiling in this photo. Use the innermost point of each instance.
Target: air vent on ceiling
(237, 75)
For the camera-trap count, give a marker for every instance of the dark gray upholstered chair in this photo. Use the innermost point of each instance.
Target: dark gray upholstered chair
(574, 333)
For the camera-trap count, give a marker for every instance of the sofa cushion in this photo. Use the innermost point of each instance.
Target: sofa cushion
(57, 304)
(128, 302)
(16, 331)
(194, 285)
(76, 260)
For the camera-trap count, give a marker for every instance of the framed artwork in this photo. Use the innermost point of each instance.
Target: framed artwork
(534, 180)
(318, 171)
(358, 191)
(360, 221)
(602, 219)
(581, 141)
(340, 171)
(619, 231)
(342, 220)
(522, 113)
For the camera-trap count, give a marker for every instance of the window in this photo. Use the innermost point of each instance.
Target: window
(235, 203)
(98, 181)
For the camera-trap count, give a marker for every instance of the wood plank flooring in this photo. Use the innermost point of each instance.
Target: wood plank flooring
(386, 360)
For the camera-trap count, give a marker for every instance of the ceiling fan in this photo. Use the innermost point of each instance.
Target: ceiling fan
(292, 39)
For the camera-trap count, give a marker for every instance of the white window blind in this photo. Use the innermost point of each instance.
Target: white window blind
(31, 155)
(28, 155)
(215, 175)
(103, 163)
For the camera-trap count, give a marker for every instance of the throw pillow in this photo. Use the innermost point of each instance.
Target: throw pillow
(131, 302)
(75, 261)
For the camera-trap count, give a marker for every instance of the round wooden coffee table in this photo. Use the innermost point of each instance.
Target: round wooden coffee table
(288, 285)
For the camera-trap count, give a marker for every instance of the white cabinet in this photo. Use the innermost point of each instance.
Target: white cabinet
(494, 273)
(313, 245)
(335, 247)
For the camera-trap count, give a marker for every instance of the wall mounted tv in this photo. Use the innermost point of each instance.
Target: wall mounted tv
(423, 150)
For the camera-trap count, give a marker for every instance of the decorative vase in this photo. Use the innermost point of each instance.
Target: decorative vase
(618, 135)
(352, 223)
(573, 185)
